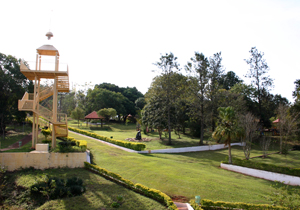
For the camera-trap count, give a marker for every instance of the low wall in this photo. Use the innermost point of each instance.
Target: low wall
(14, 161)
(287, 179)
(191, 149)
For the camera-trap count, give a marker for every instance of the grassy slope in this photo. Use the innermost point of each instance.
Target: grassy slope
(100, 193)
(183, 174)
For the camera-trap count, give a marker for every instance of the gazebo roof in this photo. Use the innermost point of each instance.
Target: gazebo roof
(93, 115)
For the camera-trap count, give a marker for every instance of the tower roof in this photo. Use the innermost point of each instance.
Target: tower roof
(47, 50)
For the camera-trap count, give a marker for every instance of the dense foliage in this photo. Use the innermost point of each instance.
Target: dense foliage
(13, 85)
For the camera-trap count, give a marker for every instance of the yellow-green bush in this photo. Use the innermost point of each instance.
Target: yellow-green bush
(209, 204)
(80, 143)
(195, 205)
(130, 145)
(151, 193)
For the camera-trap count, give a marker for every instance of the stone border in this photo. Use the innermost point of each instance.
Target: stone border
(287, 179)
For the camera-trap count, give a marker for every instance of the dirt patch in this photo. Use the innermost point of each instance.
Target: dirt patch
(142, 140)
(179, 198)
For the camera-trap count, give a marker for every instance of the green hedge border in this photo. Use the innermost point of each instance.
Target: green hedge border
(209, 204)
(129, 145)
(195, 205)
(266, 167)
(151, 193)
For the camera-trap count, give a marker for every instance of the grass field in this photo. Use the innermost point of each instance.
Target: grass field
(100, 193)
(187, 174)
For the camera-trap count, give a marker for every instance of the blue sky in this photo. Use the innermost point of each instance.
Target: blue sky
(118, 41)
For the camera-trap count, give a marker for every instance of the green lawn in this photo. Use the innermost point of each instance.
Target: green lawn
(186, 174)
(100, 193)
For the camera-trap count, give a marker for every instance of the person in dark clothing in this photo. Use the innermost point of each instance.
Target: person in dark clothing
(138, 135)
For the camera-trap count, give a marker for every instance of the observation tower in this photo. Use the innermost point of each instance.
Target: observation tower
(34, 101)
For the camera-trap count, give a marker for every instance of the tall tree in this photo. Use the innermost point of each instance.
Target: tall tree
(227, 128)
(249, 124)
(77, 114)
(167, 65)
(257, 72)
(107, 113)
(229, 79)
(100, 98)
(154, 114)
(198, 67)
(12, 88)
(215, 74)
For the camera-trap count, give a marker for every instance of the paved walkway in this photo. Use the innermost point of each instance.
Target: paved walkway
(24, 141)
(183, 206)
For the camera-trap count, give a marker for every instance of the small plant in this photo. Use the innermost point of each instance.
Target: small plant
(118, 203)
(115, 205)
(46, 132)
(120, 198)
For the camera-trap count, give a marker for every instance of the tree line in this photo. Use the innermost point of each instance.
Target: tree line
(176, 101)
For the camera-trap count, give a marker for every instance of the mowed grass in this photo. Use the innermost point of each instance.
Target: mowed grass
(185, 174)
(100, 193)
(122, 132)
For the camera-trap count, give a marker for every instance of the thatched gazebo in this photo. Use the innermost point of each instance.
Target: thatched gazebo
(93, 116)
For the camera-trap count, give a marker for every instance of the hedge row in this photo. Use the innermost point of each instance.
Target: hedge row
(195, 205)
(265, 167)
(79, 143)
(151, 193)
(130, 145)
(208, 204)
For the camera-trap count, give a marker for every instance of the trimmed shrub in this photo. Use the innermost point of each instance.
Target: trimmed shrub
(151, 193)
(79, 143)
(209, 204)
(129, 145)
(195, 205)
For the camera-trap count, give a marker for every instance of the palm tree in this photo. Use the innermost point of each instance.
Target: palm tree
(227, 127)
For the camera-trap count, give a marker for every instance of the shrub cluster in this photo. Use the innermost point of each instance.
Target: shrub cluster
(266, 167)
(151, 193)
(70, 141)
(54, 188)
(130, 145)
(208, 204)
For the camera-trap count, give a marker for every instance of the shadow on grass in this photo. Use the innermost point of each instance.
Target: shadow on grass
(101, 193)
